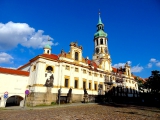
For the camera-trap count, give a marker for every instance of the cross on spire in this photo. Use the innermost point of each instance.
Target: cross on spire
(99, 12)
(99, 21)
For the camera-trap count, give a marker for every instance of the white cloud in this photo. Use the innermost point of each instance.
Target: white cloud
(121, 64)
(5, 58)
(12, 34)
(158, 64)
(153, 60)
(149, 65)
(136, 68)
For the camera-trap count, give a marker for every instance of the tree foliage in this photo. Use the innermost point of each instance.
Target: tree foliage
(140, 83)
(153, 82)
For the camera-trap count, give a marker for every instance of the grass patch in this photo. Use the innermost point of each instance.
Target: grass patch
(2, 108)
(43, 105)
(53, 103)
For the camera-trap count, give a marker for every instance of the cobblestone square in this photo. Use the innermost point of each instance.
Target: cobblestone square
(83, 112)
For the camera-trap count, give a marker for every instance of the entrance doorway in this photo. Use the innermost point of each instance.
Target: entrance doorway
(14, 101)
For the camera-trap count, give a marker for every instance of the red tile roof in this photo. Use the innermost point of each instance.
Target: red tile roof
(51, 56)
(13, 71)
(114, 69)
(93, 64)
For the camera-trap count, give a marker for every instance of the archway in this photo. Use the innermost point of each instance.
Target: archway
(14, 100)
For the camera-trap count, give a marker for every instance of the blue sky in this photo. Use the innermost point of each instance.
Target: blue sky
(133, 28)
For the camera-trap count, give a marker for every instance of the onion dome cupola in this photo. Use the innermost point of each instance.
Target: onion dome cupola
(47, 46)
(47, 49)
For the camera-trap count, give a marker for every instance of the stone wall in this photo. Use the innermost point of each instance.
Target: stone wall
(38, 98)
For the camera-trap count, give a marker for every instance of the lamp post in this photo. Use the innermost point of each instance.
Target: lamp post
(31, 91)
(59, 95)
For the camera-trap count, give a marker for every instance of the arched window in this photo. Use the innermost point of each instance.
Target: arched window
(97, 42)
(49, 69)
(76, 55)
(48, 51)
(101, 41)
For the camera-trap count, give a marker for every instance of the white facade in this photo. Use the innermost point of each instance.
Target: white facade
(67, 70)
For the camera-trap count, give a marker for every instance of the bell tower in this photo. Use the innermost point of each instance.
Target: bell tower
(101, 54)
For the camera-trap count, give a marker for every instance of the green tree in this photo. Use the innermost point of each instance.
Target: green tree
(140, 83)
(153, 82)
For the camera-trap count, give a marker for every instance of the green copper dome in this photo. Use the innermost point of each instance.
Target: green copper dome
(100, 33)
(47, 46)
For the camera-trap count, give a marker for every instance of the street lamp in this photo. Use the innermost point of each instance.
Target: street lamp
(31, 91)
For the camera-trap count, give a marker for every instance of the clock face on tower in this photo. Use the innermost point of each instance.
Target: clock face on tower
(97, 50)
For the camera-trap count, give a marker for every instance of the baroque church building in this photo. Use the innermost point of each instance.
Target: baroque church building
(48, 75)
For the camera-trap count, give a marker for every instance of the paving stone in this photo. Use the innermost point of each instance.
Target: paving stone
(84, 112)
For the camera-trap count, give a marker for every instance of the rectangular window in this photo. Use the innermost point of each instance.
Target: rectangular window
(76, 69)
(84, 71)
(95, 74)
(100, 75)
(67, 67)
(95, 86)
(84, 84)
(76, 84)
(76, 56)
(90, 73)
(89, 86)
(66, 83)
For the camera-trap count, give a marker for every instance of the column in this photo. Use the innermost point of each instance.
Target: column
(98, 41)
(95, 43)
(40, 73)
(103, 41)
(72, 76)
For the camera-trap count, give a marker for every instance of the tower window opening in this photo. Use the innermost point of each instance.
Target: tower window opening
(76, 56)
(128, 73)
(101, 41)
(48, 51)
(97, 42)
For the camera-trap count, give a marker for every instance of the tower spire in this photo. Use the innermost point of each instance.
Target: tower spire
(99, 21)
